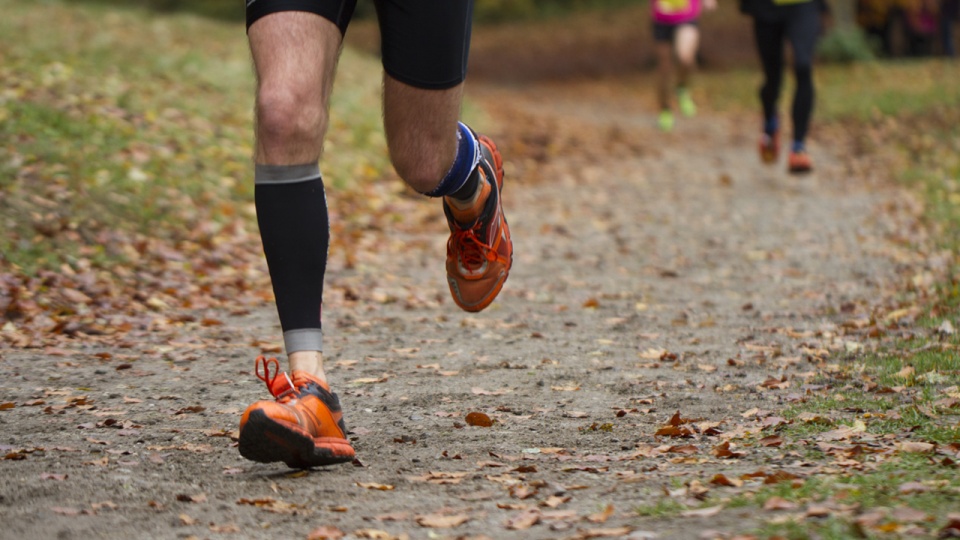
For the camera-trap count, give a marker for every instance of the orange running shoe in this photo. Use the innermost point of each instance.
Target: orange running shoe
(480, 253)
(302, 428)
(769, 147)
(799, 162)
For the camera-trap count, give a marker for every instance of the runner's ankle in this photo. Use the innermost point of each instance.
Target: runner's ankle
(310, 362)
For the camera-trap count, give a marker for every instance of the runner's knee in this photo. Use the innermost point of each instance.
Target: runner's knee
(419, 173)
(286, 116)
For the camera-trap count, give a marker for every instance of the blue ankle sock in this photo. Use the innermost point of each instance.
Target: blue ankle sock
(771, 125)
(798, 146)
(468, 155)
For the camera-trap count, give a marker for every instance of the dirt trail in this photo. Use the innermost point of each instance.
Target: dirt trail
(677, 274)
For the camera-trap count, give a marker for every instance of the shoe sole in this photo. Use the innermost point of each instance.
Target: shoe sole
(266, 441)
(452, 283)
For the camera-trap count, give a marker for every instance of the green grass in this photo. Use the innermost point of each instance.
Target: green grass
(864, 91)
(908, 114)
(663, 507)
(124, 122)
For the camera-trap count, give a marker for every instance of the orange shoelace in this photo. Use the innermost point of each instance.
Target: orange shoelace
(471, 252)
(263, 373)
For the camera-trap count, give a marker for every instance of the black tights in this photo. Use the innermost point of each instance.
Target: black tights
(800, 25)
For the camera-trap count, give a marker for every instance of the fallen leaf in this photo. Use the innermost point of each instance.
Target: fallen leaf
(772, 440)
(908, 488)
(602, 516)
(523, 520)
(375, 486)
(481, 392)
(439, 521)
(778, 503)
(710, 511)
(916, 447)
(610, 532)
(478, 419)
(723, 451)
(721, 480)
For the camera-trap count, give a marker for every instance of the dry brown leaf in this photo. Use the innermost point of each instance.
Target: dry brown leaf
(778, 503)
(439, 477)
(478, 419)
(482, 392)
(440, 521)
(601, 516)
(772, 440)
(710, 511)
(674, 431)
(375, 486)
(722, 480)
(908, 488)
(608, 532)
(523, 520)
(723, 451)
(554, 501)
(916, 447)
(376, 534)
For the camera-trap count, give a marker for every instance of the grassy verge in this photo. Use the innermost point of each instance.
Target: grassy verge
(887, 423)
(120, 121)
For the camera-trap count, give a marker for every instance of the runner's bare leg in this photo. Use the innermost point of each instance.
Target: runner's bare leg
(295, 56)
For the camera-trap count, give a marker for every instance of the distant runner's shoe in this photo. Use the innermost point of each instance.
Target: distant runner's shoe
(769, 148)
(665, 121)
(799, 162)
(303, 427)
(685, 102)
(479, 250)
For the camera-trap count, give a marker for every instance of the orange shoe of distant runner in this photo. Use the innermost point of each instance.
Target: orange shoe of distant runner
(799, 162)
(769, 148)
(303, 427)
(479, 250)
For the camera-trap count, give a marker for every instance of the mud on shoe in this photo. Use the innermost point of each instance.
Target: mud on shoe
(303, 427)
(479, 250)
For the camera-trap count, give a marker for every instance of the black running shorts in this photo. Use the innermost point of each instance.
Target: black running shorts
(424, 43)
(666, 32)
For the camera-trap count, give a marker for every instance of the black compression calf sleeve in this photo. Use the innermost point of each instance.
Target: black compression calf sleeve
(295, 230)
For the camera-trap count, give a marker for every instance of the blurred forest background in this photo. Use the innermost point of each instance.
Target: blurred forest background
(613, 36)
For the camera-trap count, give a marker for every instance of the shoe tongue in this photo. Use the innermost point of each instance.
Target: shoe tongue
(299, 379)
(467, 216)
(302, 378)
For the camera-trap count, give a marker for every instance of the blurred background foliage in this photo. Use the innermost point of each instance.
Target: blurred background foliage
(858, 30)
(486, 10)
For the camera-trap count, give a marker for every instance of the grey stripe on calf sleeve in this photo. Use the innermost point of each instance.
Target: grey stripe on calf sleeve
(305, 339)
(285, 174)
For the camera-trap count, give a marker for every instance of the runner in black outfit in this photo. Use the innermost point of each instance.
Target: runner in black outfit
(796, 21)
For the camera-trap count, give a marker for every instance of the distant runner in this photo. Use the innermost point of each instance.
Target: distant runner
(774, 22)
(675, 31)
